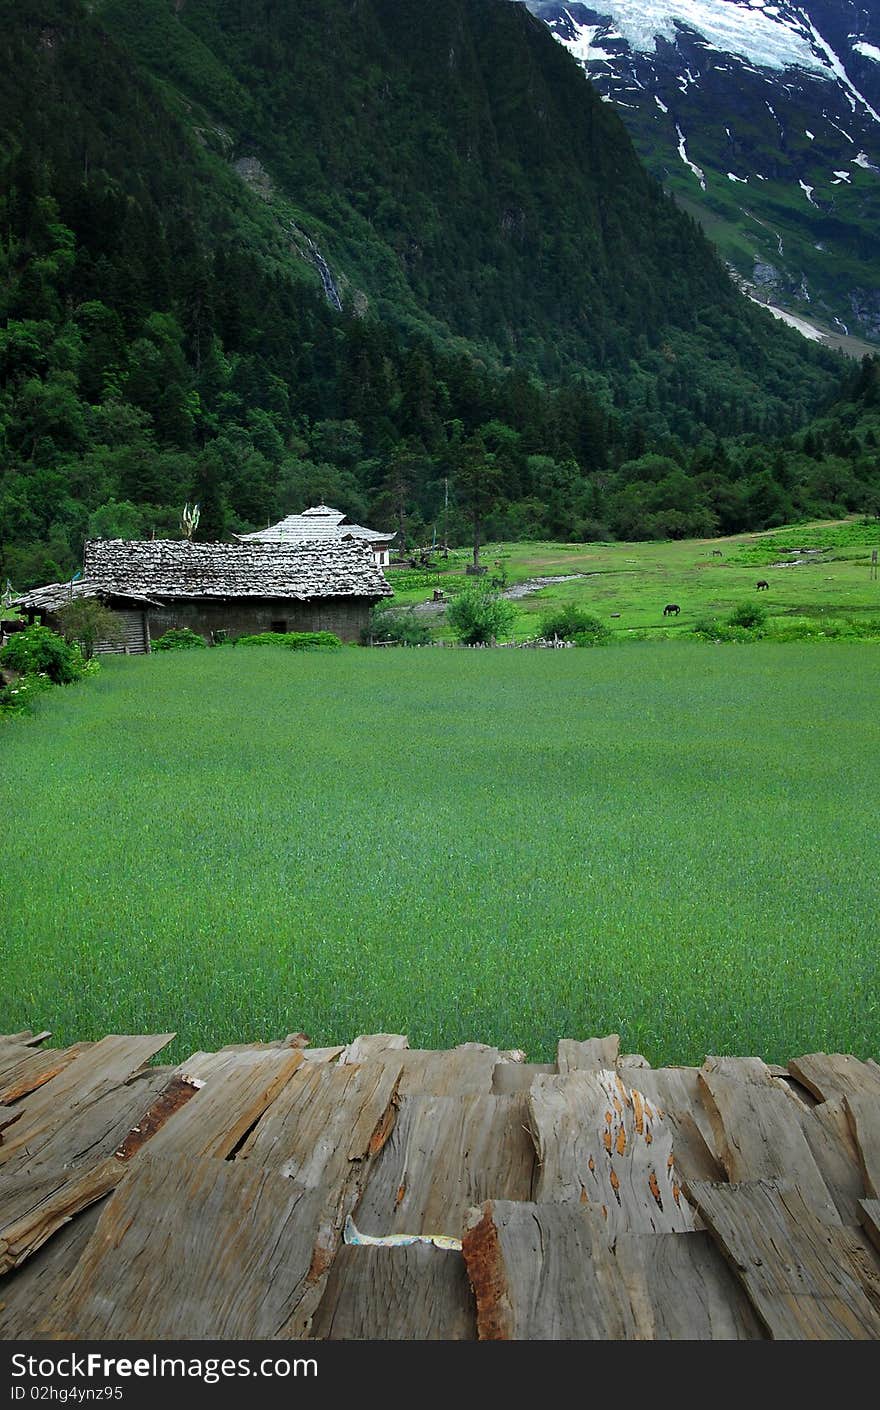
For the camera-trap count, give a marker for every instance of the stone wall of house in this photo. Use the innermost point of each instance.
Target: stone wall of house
(242, 616)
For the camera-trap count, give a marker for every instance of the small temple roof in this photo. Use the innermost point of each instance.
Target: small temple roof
(318, 522)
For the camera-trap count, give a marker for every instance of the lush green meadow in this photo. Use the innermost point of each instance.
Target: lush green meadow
(675, 841)
(627, 585)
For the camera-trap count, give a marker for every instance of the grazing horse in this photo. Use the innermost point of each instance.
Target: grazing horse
(716, 553)
(762, 585)
(671, 609)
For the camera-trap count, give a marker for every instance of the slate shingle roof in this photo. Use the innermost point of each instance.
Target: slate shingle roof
(54, 596)
(166, 568)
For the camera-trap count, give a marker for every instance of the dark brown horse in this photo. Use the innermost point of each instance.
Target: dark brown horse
(671, 609)
(762, 585)
(716, 553)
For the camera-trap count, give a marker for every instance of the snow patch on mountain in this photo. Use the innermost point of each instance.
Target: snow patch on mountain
(763, 35)
(870, 51)
(682, 152)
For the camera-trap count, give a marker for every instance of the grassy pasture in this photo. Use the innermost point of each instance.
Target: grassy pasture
(675, 841)
(636, 580)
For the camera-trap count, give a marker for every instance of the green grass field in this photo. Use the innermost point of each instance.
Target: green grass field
(678, 842)
(636, 580)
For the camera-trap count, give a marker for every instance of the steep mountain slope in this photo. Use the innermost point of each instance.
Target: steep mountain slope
(764, 120)
(419, 145)
(269, 255)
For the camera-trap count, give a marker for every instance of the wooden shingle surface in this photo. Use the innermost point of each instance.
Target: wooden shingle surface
(372, 1190)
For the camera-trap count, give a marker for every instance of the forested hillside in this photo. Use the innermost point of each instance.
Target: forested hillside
(528, 317)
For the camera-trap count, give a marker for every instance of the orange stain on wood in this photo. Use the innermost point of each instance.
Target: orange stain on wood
(638, 1114)
(655, 1189)
(621, 1141)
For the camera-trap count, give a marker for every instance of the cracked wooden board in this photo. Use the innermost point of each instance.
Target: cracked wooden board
(234, 1090)
(549, 1272)
(759, 1136)
(325, 1118)
(806, 1279)
(444, 1155)
(172, 1256)
(829, 1075)
(600, 1142)
(93, 1074)
(415, 1293)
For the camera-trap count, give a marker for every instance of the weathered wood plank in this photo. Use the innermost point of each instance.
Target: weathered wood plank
(31, 1069)
(370, 1045)
(749, 1070)
(759, 1136)
(829, 1075)
(444, 1155)
(91, 1076)
(828, 1135)
(322, 1054)
(807, 1280)
(235, 1091)
(52, 1202)
(466, 1070)
(870, 1220)
(694, 1159)
(599, 1142)
(511, 1077)
(325, 1118)
(172, 1256)
(82, 1135)
(323, 1131)
(863, 1115)
(414, 1293)
(551, 1272)
(29, 1293)
(675, 1091)
(589, 1055)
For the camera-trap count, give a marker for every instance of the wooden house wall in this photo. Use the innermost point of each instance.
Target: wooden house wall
(135, 640)
(346, 617)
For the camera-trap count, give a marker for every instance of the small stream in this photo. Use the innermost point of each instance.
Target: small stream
(435, 609)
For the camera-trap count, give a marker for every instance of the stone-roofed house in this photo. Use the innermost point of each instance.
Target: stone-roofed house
(322, 522)
(233, 588)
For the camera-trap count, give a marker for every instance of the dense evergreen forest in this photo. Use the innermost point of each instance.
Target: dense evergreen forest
(524, 314)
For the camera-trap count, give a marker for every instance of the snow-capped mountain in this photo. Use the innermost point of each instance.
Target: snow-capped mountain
(763, 118)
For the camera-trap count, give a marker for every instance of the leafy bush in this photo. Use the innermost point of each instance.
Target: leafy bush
(479, 615)
(397, 624)
(294, 641)
(572, 623)
(751, 615)
(178, 639)
(38, 651)
(87, 621)
(17, 699)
